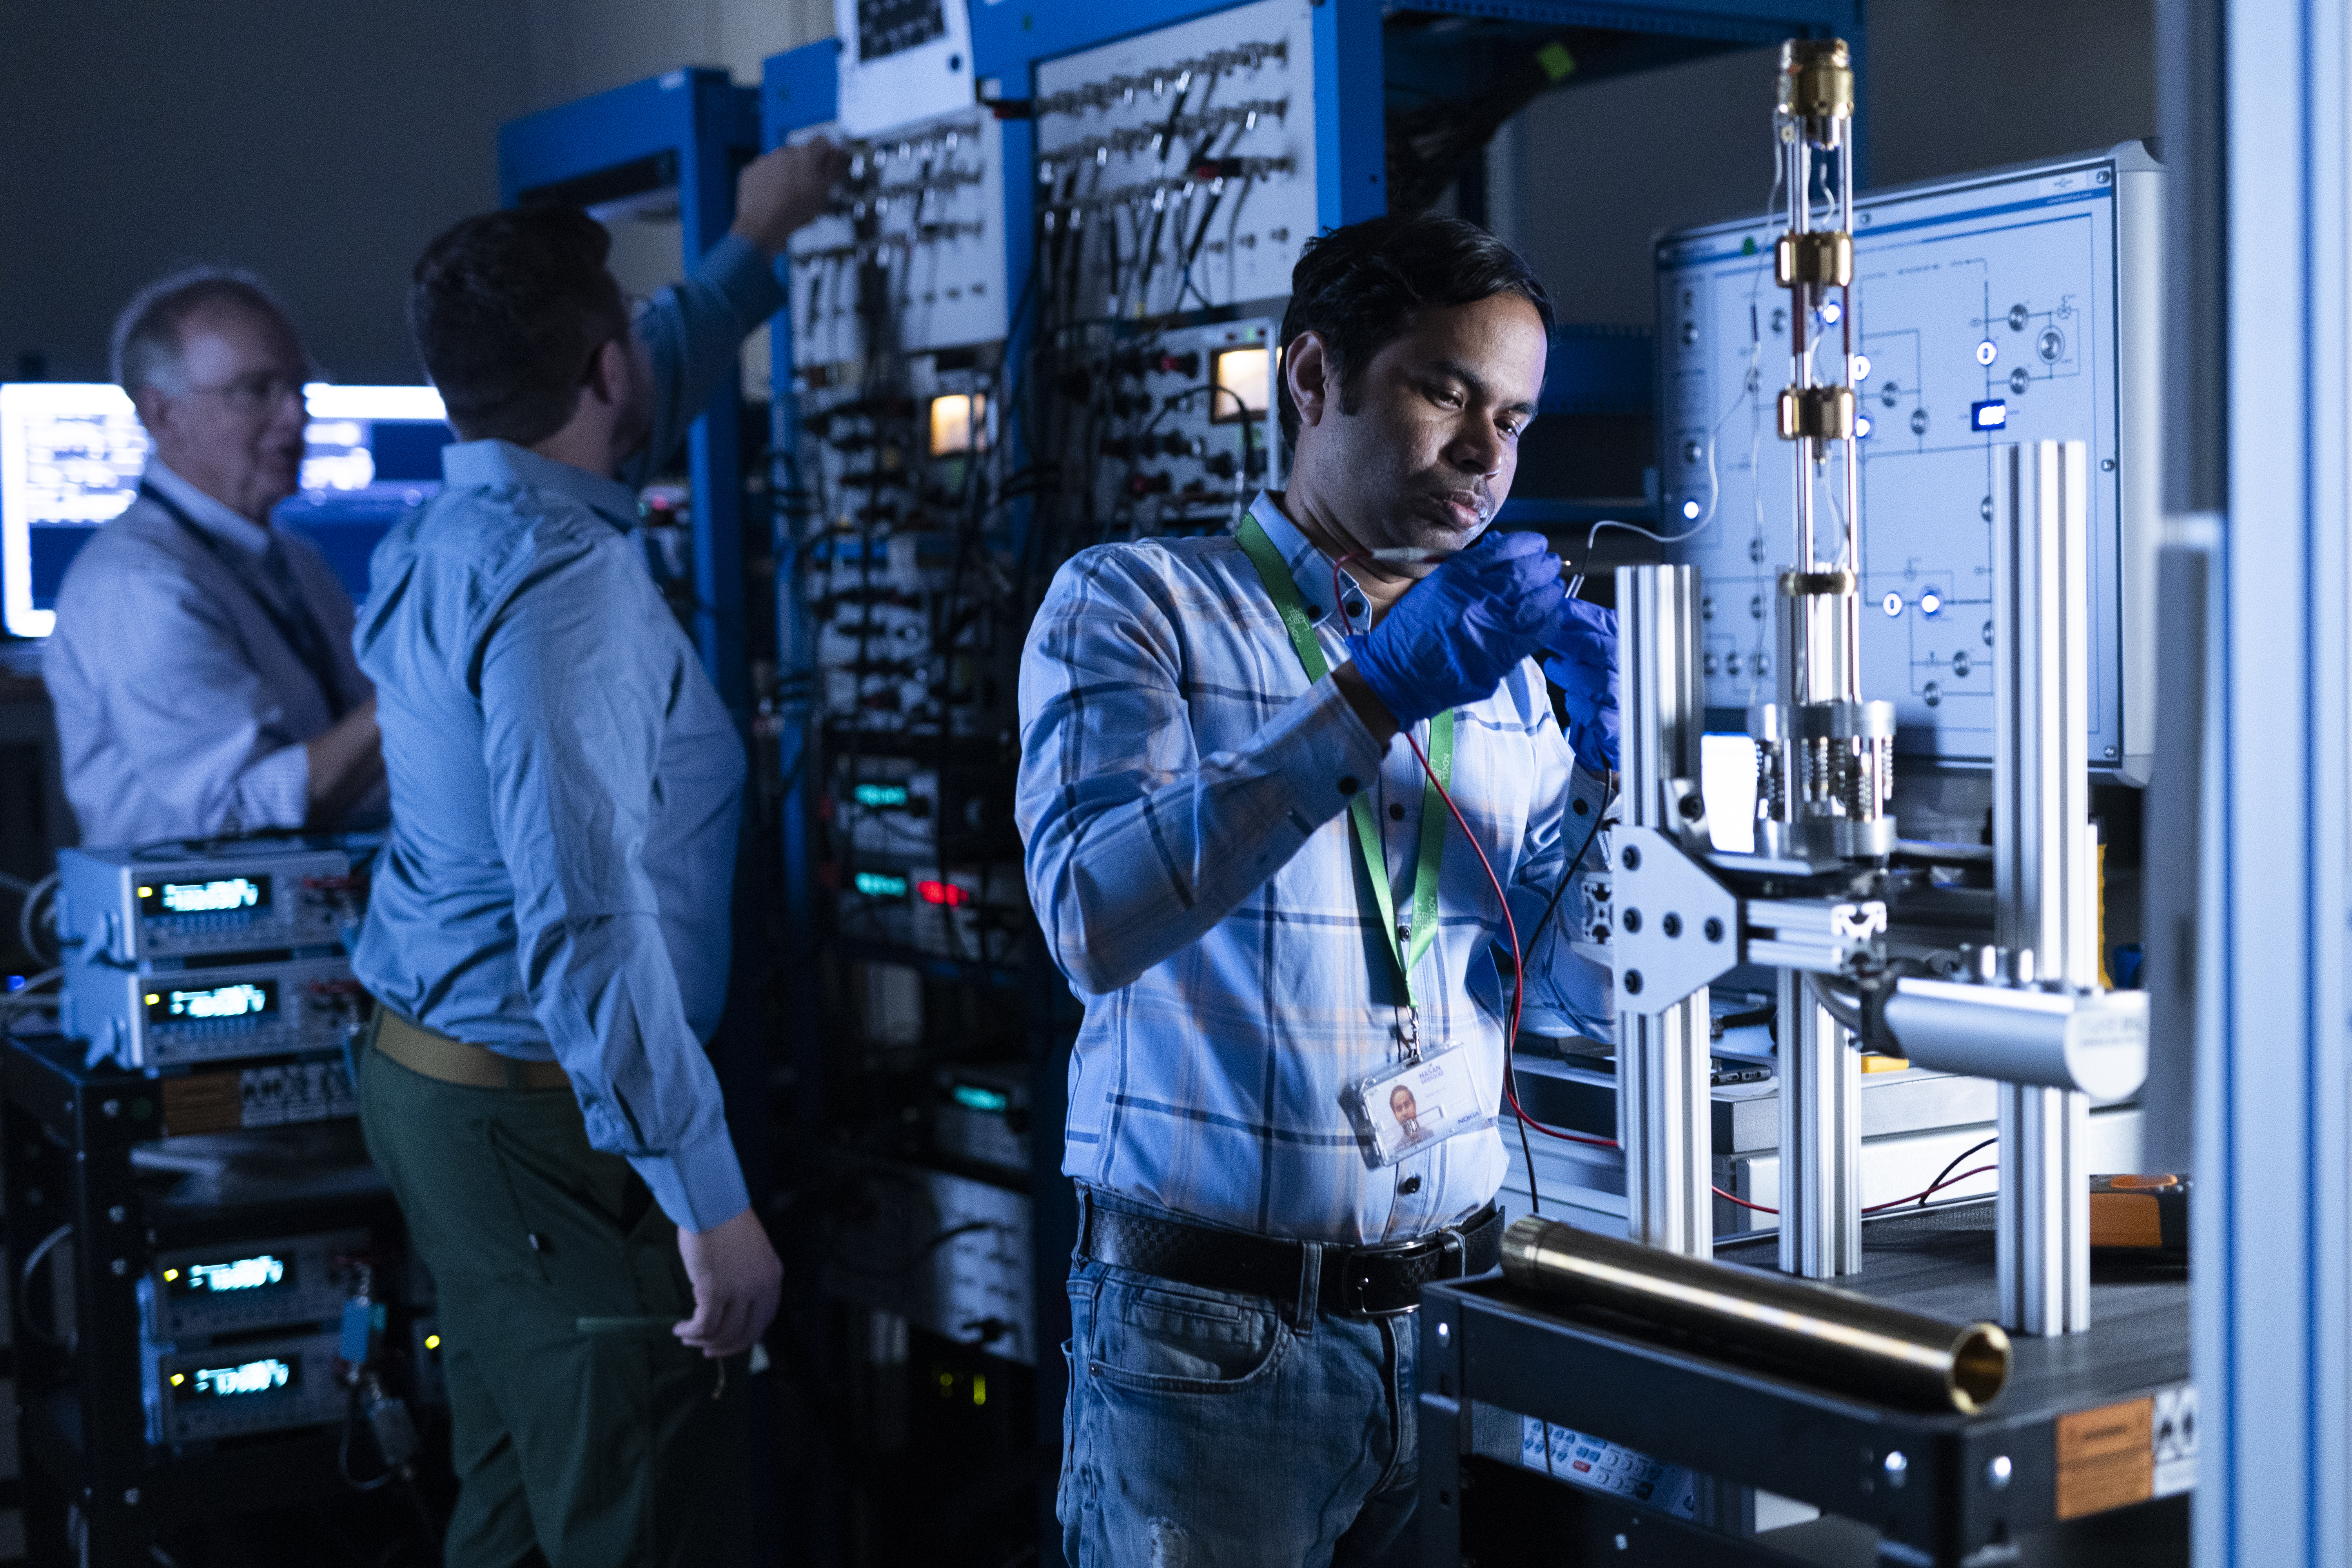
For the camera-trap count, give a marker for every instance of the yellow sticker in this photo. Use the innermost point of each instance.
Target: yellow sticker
(2106, 1458)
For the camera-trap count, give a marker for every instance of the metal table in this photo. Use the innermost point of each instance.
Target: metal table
(2088, 1425)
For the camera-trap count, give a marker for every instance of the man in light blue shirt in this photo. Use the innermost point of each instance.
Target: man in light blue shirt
(1284, 1101)
(547, 935)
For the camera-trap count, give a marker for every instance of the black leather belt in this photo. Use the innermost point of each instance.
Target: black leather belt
(1357, 1281)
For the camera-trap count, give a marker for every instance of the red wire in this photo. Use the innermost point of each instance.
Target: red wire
(1518, 958)
(1519, 980)
(1873, 1208)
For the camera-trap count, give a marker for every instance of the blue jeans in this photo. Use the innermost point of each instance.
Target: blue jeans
(1212, 1430)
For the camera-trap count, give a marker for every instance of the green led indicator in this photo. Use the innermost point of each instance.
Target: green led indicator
(972, 1097)
(875, 885)
(880, 795)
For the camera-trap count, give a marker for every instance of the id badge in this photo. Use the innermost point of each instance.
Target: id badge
(1417, 1105)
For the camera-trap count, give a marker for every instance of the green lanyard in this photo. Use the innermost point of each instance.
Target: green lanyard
(1284, 591)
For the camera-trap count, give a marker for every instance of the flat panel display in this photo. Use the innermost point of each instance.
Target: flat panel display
(71, 454)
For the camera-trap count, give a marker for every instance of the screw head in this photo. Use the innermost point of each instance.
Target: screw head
(1693, 807)
(1712, 930)
(1671, 925)
(1631, 856)
(1897, 1467)
(1632, 982)
(1997, 1471)
(130, 1497)
(117, 1213)
(118, 1267)
(111, 1108)
(1631, 920)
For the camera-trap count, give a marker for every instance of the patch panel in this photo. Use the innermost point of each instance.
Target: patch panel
(911, 255)
(1175, 170)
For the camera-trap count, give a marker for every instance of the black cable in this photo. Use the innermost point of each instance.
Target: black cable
(1954, 1166)
(1511, 1041)
(1568, 875)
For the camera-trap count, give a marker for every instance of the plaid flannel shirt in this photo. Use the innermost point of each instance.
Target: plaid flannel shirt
(1183, 798)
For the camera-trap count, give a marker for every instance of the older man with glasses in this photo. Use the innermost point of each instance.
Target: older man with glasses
(202, 668)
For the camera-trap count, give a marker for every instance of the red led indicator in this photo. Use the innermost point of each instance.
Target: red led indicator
(942, 893)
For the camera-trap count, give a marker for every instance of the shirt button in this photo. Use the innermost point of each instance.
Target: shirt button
(1410, 1184)
(1396, 813)
(1348, 784)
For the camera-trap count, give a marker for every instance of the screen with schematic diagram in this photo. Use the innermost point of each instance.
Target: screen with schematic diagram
(2015, 306)
(71, 454)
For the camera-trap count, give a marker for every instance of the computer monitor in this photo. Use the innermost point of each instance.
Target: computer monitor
(71, 454)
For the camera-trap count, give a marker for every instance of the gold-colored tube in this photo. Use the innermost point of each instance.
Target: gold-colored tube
(1831, 1338)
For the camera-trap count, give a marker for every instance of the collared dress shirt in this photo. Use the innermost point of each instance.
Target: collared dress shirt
(182, 709)
(566, 784)
(1183, 798)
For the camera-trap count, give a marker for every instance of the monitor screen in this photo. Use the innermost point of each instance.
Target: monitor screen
(71, 453)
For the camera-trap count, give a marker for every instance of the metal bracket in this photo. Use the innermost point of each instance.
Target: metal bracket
(1677, 927)
(1819, 937)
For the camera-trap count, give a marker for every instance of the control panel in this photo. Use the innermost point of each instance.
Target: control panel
(1606, 1467)
(949, 1254)
(1180, 423)
(1175, 169)
(125, 908)
(197, 1292)
(267, 1384)
(982, 1115)
(2016, 306)
(240, 1007)
(975, 914)
(910, 255)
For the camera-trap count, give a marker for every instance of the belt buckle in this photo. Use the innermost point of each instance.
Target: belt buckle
(1359, 1308)
(1449, 1239)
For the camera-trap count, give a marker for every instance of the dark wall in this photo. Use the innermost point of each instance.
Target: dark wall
(1949, 86)
(321, 145)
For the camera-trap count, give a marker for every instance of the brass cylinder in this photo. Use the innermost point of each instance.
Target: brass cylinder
(1822, 258)
(1817, 413)
(1817, 78)
(1832, 1339)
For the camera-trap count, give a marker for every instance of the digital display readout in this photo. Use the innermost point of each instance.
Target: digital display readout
(222, 895)
(236, 999)
(267, 1375)
(234, 1275)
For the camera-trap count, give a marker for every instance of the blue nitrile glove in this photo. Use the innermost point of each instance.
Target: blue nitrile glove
(1453, 636)
(1582, 660)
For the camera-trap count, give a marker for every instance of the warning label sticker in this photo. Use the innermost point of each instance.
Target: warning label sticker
(2106, 1458)
(2176, 1440)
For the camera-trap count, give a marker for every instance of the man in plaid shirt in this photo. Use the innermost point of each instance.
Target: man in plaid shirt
(1275, 923)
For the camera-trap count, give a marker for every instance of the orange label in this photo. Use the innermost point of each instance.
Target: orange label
(202, 1102)
(2106, 1458)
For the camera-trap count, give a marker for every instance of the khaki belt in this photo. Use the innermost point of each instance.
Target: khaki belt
(435, 1055)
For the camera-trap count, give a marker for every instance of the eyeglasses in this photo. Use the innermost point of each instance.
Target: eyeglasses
(251, 395)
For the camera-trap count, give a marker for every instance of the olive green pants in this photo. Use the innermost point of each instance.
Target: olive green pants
(574, 1449)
